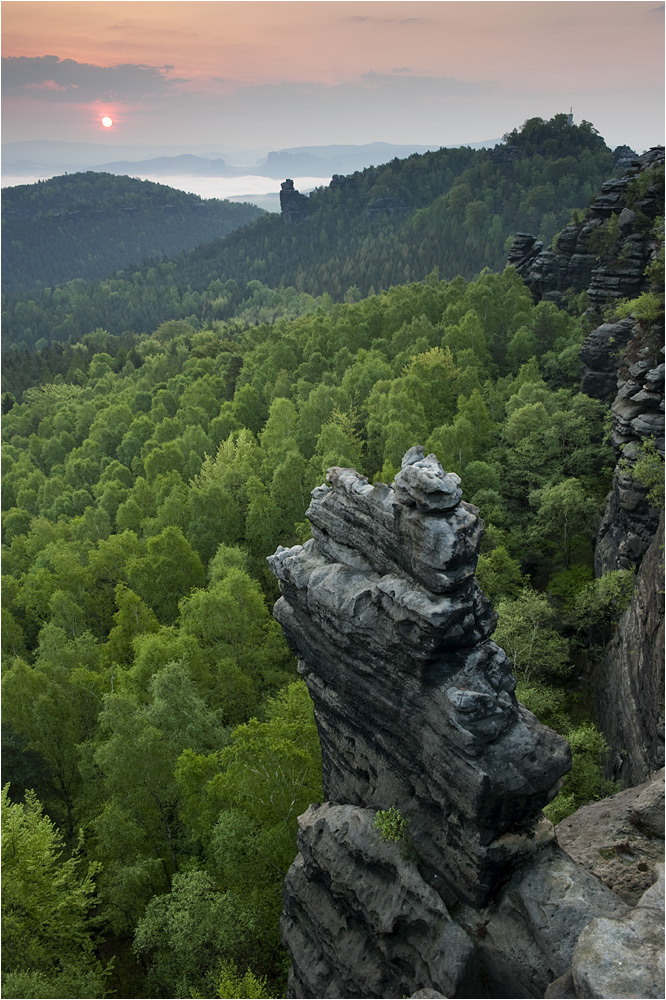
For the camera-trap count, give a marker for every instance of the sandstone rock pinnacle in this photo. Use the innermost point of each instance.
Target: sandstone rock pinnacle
(414, 703)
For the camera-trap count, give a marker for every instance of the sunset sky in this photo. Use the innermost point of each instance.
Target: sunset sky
(275, 75)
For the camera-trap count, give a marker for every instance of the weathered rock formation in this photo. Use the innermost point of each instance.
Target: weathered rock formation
(293, 205)
(620, 840)
(415, 709)
(385, 206)
(414, 703)
(630, 682)
(630, 522)
(606, 273)
(615, 954)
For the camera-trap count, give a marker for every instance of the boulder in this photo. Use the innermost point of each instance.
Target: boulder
(623, 956)
(620, 839)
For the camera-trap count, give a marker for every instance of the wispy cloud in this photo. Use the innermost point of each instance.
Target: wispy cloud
(51, 78)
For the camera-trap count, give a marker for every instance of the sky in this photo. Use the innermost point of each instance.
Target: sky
(274, 75)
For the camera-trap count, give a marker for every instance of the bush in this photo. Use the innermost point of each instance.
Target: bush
(392, 825)
(585, 781)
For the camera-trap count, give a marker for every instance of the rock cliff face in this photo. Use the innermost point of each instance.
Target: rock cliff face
(630, 682)
(293, 205)
(630, 522)
(416, 710)
(624, 366)
(609, 266)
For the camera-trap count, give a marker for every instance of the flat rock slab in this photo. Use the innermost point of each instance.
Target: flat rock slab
(620, 839)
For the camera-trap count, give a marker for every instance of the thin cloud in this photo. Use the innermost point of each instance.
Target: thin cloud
(434, 86)
(51, 78)
(359, 18)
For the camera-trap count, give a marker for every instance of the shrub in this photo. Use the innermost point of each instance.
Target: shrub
(392, 825)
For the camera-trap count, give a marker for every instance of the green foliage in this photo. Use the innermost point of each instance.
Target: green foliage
(648, 307)
(185, 932)
(646, 466)
(526, 630)
(47, 940)
(391, 824)
(89, 225)
(499, 575)
(245, 987)
(597, 607)
(585, 782)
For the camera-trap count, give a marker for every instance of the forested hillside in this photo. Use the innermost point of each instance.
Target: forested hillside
(90, 225)
(451, 210)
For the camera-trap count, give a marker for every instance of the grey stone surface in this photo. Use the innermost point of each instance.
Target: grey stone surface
(528, 937)
(599, 353)
(620, 839)
(359, 919)
(414, 703)
(624, 956)
(629, 683)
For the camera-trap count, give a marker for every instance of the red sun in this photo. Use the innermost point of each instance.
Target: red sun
(107, 122)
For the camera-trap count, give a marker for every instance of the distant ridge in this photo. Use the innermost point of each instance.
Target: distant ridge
(50, 157)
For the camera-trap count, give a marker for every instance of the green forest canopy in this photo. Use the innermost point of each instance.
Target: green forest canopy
(90, 225)
(142, 714)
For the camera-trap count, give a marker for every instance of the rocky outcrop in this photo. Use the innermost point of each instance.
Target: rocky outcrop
(614, 954)
(600, 355)
(587, 258)
(527, 939)
(630, 521)
(630, 682)
(620, 840)
(414, 703)
(385, 206)
(416, 710)
(360, 920)
(293, 205)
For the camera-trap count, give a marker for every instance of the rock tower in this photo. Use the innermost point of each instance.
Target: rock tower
(416, 711)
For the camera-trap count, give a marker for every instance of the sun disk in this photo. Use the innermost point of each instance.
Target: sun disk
(107, 122)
